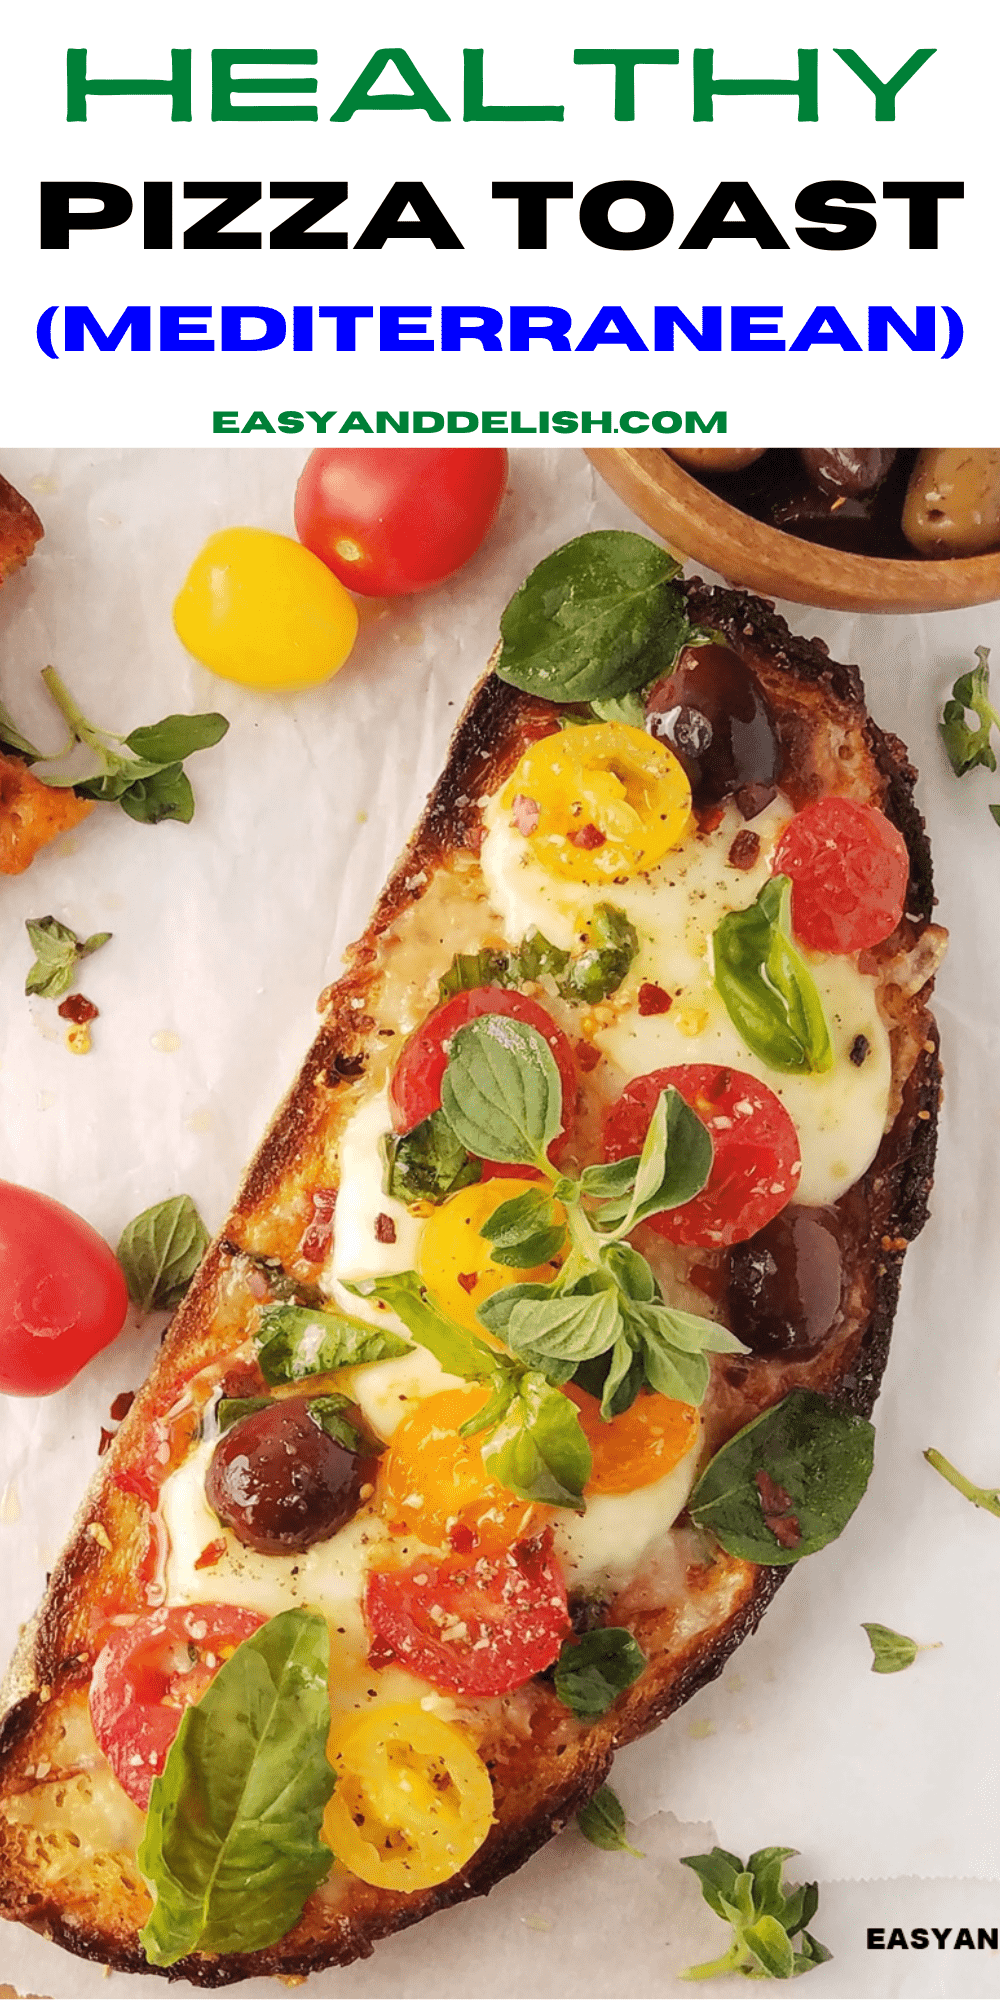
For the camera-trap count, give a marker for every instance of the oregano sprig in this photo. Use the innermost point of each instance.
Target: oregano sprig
(142, 772)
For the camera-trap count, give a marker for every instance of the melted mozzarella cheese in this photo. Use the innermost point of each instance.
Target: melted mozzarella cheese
(387, 1391)
(357, 1252)
(840, 1116)
(604, 1547)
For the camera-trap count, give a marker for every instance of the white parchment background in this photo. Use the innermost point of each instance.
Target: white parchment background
(224, 933)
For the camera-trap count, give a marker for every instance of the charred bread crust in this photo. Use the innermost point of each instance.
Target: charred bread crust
(20, 529)
(568, 1764)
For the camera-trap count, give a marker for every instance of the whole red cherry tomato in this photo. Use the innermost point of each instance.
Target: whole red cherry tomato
(392, 522)
(62, 1293)
(850, 871)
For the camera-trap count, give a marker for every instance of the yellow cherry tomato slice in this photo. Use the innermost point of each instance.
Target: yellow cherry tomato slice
(259, 608)
(455, 1261)
(640, 1446)
(413, 1799)
(599, 801)
(434, 1484)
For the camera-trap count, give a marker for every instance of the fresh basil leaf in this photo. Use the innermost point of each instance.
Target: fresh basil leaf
(593, 620)
(11, 735)
(501, 1092)
(536, 956)
(459, 1353)
(673, 1167)
(968, 746)
(469, 969)
(768, 990)
(233, 1847)
(592, 1672)
(612, 945)
(160, 1251)
(176, 737)
(524, 1232)
(538, 1449)
(628, 708)
(892, 1651)
(230, 1410)
(427, 1163)
(58, 952)
(166, 794)
(602, 1821)
(567, 1328)
(295, 1341)
(804, 1465)
(328, 1413)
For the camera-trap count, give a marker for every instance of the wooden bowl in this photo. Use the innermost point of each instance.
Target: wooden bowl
(697, 523)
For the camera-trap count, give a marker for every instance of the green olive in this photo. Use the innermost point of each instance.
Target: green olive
(952, 503)
(711, 459)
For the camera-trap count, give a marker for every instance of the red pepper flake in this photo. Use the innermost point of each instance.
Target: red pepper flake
(776, 1506)
(588, 837)
(122, 1405)
(462, 1539)
(587, 1056)
(244, 1378)
(78, 1009)
(654, 999)
(212, 1553)
(468, 1280)
(525, 814)
(745, 849)
(106, 1439)
(318, 1231)
(709, 817)
(385, 1229)
(752, 799)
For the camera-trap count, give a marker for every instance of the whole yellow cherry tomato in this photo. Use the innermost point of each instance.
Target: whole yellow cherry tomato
(259, 608)
(599, 801)
(454, 1259)
(413, 1799)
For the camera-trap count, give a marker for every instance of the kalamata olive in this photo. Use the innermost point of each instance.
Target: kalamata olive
(712, 459)
(785, 1282)
(952, 505)
(280, 1483)
(837, 470)
(713, 714)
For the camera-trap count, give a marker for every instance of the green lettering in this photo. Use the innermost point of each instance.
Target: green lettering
(291, 420)
(356, 421)
(476, 112)
(225, 420)
(716, 422)
(224, 84)
(885, 94)
(385, 421)
(624, 62)
(707, 86)
(80, 86)
(360, 98)
(257, 421)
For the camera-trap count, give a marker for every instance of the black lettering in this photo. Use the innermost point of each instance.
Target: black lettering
(919, 1940)
(846, 228)
(237, 197)
(875, 1938)
(158, 215)
(321, 197)
(657, 215)
(963, 1942)
(714, 219)
(532, 198)
(428, 222)
(923, 198)
(897, 1940)
(58, 218)
(941, 1935)
(987, 1940)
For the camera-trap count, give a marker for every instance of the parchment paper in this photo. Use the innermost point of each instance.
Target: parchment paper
(224, 933)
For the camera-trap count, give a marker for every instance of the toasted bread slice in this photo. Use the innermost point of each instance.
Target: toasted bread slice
(68, 1834)
(20, 529)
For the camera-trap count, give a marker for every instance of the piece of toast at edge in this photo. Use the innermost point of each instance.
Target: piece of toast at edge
(542, 1782)
(20, 529)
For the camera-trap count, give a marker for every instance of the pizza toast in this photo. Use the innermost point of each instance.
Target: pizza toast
(69, 1834)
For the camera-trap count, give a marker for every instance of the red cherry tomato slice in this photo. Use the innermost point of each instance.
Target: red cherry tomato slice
(148, 1674)
(391, 522)
(415, 1089)
(62, 1293)
(476, 1625)
(849, 870)
(756, 1164)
